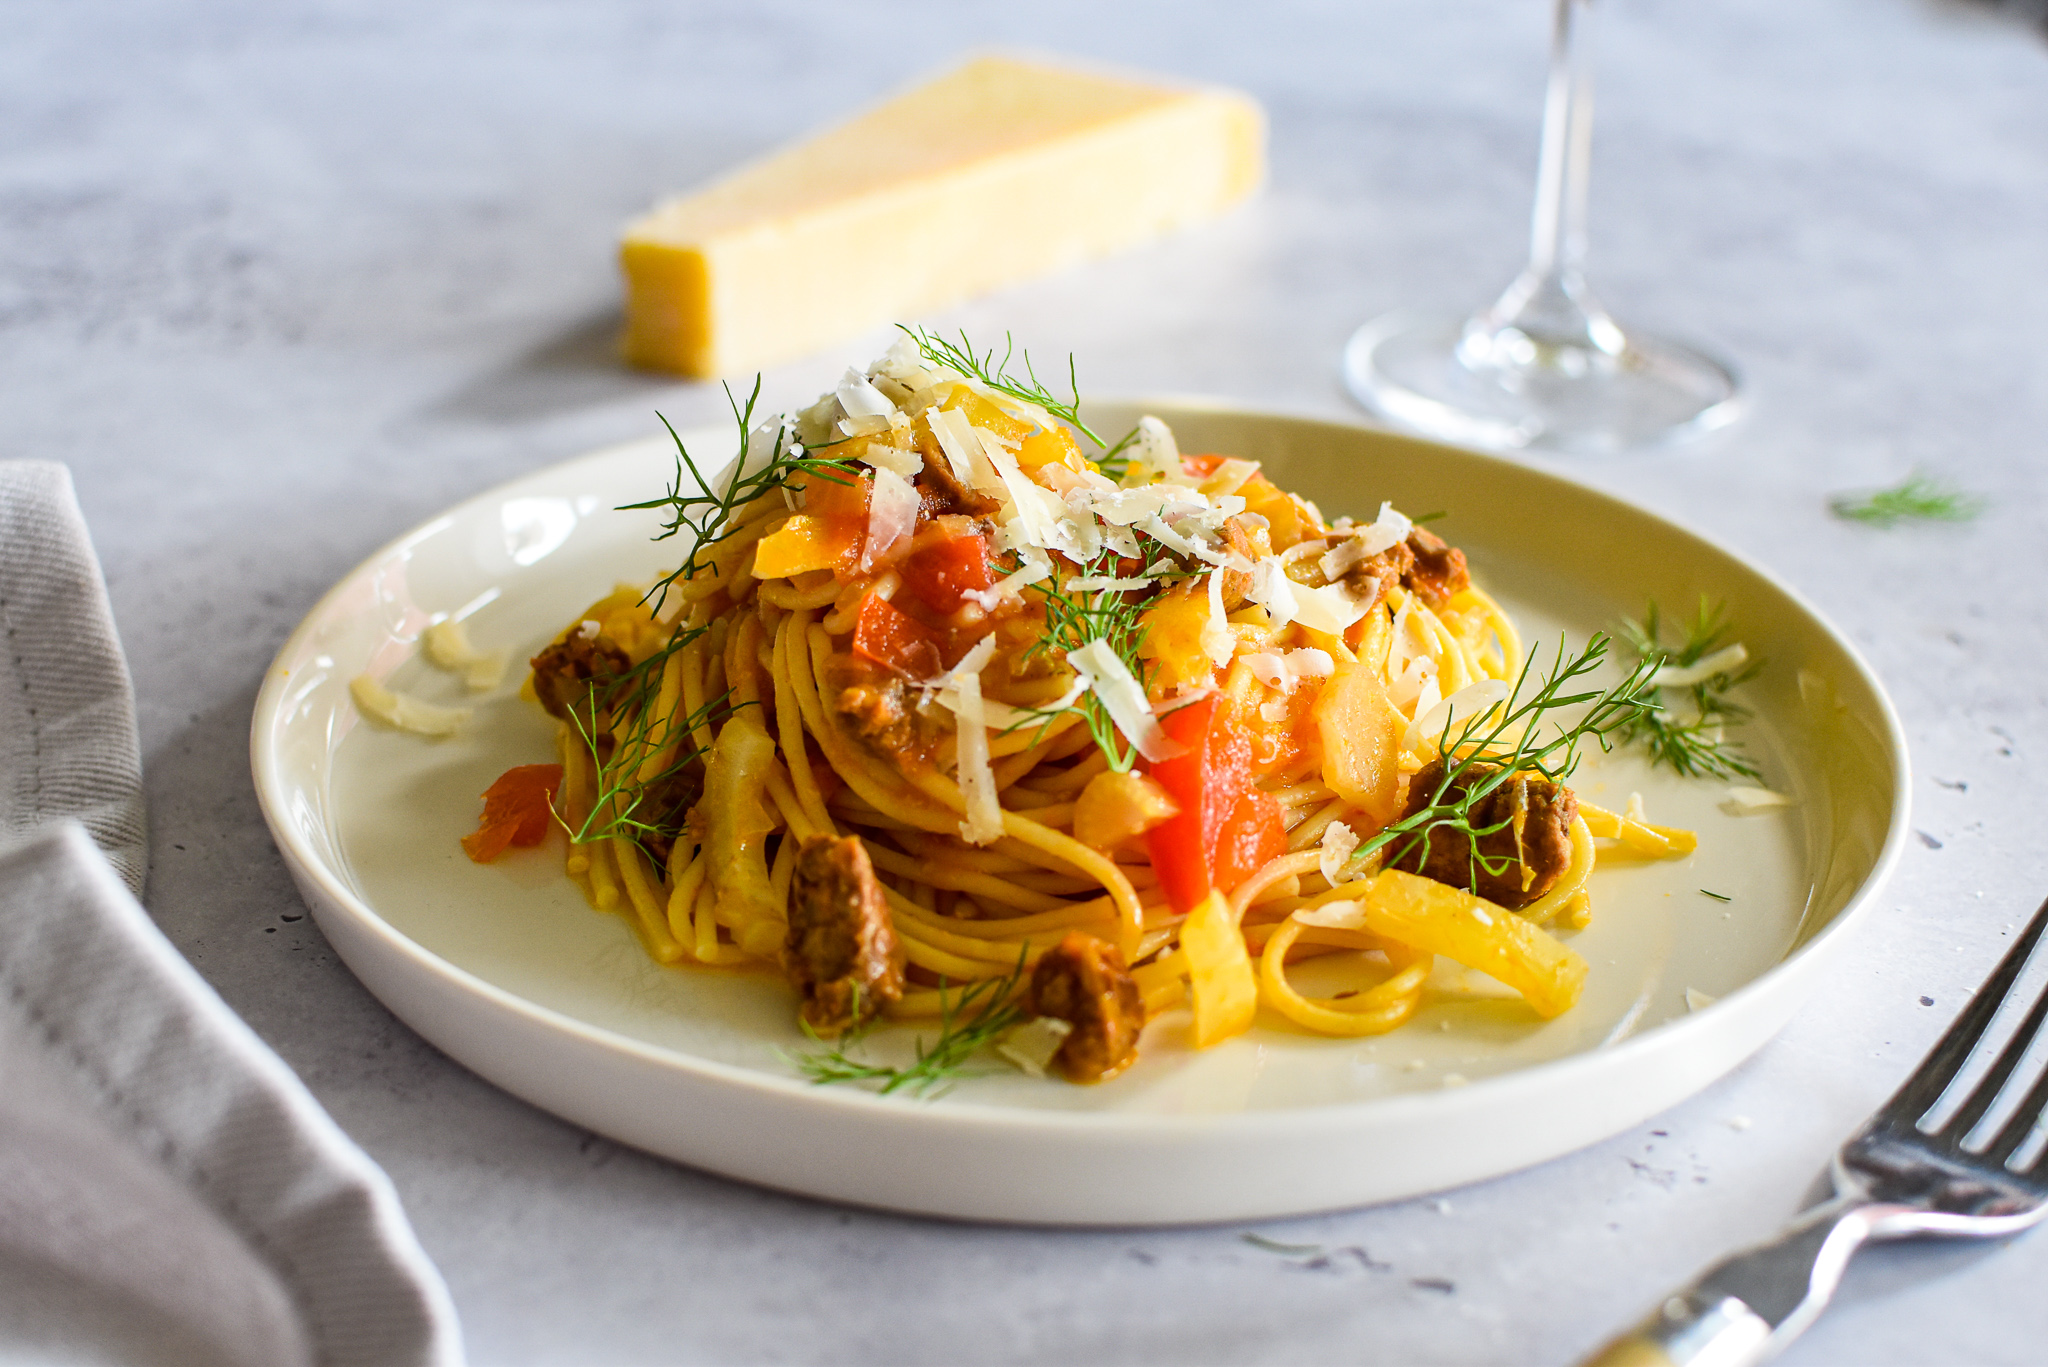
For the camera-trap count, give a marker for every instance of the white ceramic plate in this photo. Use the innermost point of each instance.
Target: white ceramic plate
(506, 969)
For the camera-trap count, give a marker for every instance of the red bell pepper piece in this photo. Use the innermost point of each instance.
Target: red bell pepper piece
(943, 573)
(517, 810)
(1226, 828)
(895, 640)
(1255, 833)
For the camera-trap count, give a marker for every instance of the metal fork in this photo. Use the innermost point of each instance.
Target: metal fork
(1894, 1180)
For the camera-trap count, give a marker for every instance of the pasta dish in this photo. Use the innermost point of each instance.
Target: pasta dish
(950, 699)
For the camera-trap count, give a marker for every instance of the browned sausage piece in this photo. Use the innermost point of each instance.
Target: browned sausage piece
(1082, 980)
(1438, 571)
(562, 673)
(841, 953)
(940, 494)
(1536, 839)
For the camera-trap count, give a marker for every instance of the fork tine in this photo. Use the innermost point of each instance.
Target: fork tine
(1993, 1082)
(1946, 1059)
(2008, 1140)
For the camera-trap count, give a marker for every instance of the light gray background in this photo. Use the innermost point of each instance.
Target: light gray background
(279, 281)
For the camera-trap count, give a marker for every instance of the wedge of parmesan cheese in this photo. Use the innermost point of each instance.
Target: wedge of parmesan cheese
(997, 171)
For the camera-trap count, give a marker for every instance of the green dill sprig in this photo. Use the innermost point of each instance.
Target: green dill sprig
(693, 506)
(617, 807)
(1074, 617)
(1697, 747)
(1918, 498)
(1481, 756)
(937, 1067)
(984, 366)
(1115, 462)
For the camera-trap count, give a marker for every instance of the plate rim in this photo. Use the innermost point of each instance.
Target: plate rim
(970, 1115)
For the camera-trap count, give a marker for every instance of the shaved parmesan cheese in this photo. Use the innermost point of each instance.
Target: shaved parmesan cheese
(1723, 661)
(1031, 1045)
(1345, 915)
(959, 691)
(1003, 717)
(894, 459)
(1095, 583)
(1750, 801)
(1284, 672)
(1036, 566)
(1156, 451)
(379, 703)
(1408, 687)
(1275, 711)
(1342, 558)
(1388, 530)
(1174, 702)
(964, 452)
(1409, 640)
(1123, 697)
(905, 363)
(861, 399)
(1229, 476)
(447, 647)
(1329, 609)
(1334, 853)
(1272, 590)
(1459, 711)
(892, 516)
(1219, 643)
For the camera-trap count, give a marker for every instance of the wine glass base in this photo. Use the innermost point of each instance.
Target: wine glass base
(1406, 368)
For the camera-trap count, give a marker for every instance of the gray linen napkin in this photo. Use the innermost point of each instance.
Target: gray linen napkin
(67, 717)
(169, 1191)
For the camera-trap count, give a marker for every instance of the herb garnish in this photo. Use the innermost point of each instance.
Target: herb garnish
(937, 1068)
(1074, 617)
(1718, 897)
(996, 375)
(1697, 747)
(1918, 498)
(708, 514)
(1479, 757)
(621, 792)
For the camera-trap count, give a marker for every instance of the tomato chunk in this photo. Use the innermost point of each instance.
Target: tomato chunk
(1211, 782)
(517, 810)
(1254, 835)
(944, 573)
(895, 640)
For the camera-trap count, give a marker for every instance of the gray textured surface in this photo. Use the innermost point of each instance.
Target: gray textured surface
(280, 281)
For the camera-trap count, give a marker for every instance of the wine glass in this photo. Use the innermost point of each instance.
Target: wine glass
(1544, 366)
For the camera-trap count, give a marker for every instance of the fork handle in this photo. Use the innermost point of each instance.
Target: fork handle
(1748, 1307)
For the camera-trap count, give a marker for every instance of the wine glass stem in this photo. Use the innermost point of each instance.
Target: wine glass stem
(1557, 230)
(1548, 321)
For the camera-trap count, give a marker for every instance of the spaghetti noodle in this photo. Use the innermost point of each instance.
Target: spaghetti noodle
(938, 700)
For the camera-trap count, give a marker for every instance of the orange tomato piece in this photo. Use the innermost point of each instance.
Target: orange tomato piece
(517, 810)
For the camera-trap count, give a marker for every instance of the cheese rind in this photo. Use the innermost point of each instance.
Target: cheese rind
(998, 171)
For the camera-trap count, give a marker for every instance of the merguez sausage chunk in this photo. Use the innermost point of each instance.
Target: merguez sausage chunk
(1437, 573)
(1535, 818)
(563, 673)
(841, 953)
(1082, 980)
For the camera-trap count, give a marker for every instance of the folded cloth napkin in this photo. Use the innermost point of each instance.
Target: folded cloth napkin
(67, 717)
(170, 1192)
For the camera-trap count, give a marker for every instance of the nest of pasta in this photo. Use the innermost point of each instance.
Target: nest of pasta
(951, 696)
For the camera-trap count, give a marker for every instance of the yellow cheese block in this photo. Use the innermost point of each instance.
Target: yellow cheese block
(997, 171)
